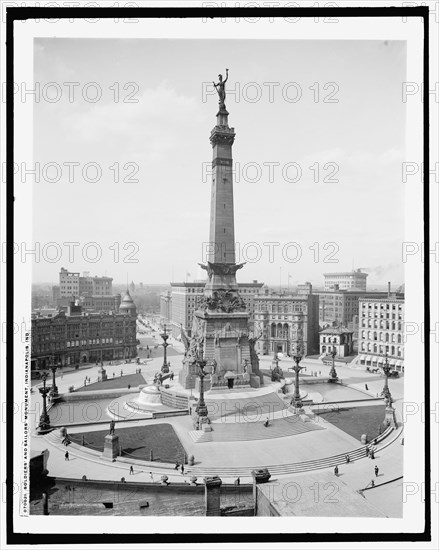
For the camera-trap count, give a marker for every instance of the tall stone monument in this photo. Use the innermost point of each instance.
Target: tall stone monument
(220, 331)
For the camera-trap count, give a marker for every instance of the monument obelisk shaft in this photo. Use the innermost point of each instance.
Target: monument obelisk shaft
(222, 225)
(220, 331)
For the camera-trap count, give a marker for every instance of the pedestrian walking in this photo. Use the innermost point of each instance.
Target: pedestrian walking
(177, 466)
(237, 481)
(367, 451)
(67, 456)
(372, 454)
(151, 476)
(376, 471)
(182, 469)
(336, 471)
(372, 483)
(366, 386)
(348, 459)
(131, 470)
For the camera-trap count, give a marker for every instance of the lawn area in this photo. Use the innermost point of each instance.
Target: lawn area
(357, 420)
(139, 441)
(117, 382)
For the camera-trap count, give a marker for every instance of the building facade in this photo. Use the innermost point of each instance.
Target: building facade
(285, 321)
(185, 298)
(339, 307)
(73, 336)
(381, 332)
(346, 280)
(338, 339)
(72, 284)
(68, 283)
(166, 306)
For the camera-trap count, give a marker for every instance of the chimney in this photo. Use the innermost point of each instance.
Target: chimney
(388, 289)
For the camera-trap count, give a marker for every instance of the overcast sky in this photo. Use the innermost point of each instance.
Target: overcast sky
(166, 134)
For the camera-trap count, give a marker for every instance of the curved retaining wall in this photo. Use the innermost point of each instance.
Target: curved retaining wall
(174, 399)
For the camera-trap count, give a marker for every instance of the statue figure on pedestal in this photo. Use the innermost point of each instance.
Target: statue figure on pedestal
(221, 89)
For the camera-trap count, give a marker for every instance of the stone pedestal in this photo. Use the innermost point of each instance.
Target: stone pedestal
(212, 495)
(111, 447)
(390, 418)
(102, 374)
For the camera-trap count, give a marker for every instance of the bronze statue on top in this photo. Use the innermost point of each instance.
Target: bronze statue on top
(221, 89)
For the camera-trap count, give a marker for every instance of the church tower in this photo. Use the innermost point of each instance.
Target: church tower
(220, 332)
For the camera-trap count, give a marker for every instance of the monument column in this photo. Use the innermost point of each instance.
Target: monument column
(220, 327)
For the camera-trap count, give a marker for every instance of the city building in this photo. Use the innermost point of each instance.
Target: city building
(338, 339)
(101, 303)
(381, 331)
(345, 280)
(284, 321)
(166, 306)
(93, 304)
(73, 336)
(68, 283)
(339, 307)
(72, 284)
(185, 297)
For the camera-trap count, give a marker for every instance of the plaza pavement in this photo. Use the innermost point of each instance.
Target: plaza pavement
(357, 474)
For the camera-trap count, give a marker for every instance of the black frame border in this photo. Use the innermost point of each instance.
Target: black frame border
(24, 13)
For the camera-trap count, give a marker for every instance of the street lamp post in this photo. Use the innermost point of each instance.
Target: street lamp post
(333, 373)
(275, 360)
(386, 369)
(297, 400)
(54, 388)
(165, 336)
(44, 424)
(201, 408)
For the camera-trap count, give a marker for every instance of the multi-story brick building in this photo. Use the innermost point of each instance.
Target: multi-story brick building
(345, 280)
(73, 336)
(185, 298)
(286, 321)
(72, 284)
(68, 283)
(166, 306)
(338, 339)
(381, 331)
(339, 307)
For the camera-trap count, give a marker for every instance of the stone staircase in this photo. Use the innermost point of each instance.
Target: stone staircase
(251, 431)
(295, 467)
(280, 469)
(244, 408)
